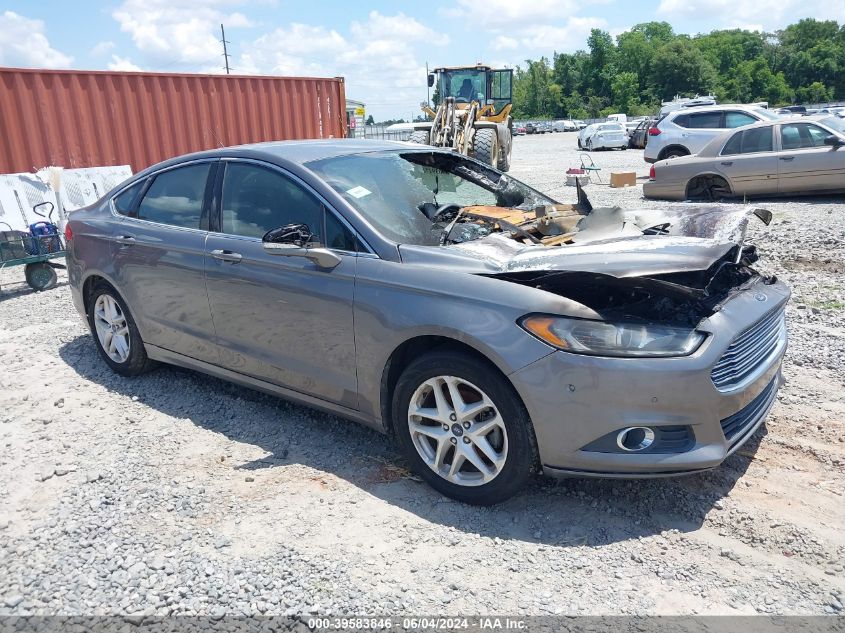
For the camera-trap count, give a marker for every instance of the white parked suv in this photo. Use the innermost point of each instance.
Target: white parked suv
(688, 130)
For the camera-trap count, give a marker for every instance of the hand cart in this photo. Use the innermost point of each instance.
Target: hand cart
(34, 249)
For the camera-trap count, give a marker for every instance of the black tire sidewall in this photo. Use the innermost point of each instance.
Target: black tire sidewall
(30, 270)
(521, 459)
(137, 362)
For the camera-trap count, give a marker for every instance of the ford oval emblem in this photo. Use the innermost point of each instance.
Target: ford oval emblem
(760, 297)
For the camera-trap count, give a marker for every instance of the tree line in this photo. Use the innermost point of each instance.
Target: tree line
(803, 63)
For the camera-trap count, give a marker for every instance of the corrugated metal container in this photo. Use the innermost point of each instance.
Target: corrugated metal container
(97, 118)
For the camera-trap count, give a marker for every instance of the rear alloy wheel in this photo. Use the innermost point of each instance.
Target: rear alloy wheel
(708, 188)
(466, 443)
(485, 146)
(116, 334)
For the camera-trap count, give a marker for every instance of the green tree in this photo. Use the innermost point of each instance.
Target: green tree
(680, 68)
(370, 120)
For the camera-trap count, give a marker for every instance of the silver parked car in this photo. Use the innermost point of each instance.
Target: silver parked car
(784, 157)
(491, 330)
(603, 136)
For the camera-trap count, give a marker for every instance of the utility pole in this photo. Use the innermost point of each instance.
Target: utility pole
(225, 51)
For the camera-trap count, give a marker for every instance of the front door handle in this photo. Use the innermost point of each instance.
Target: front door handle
(787, 158)
(227, 256)
(727, 163)
(125, 240)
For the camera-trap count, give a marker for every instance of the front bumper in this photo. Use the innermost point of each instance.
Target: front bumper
(574, 400)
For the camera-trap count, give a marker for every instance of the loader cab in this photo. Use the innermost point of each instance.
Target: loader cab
(475, 83)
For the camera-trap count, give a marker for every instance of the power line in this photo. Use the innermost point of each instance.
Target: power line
(225, 51)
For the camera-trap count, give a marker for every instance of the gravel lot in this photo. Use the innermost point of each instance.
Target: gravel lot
(179, 493)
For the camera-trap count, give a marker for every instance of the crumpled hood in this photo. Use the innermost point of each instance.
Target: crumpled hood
(611, 241)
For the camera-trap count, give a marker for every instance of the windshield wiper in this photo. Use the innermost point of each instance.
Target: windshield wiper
(444, 234)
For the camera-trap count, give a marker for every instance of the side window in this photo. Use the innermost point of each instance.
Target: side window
(706, 120)
(681, 119)
(176, 197)
(125, 202)
(758, 139)
(733, 146)
(338, 236)
(801, 136)
(738, 119)
(256, 200)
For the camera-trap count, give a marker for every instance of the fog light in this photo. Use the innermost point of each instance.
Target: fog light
(635, 438)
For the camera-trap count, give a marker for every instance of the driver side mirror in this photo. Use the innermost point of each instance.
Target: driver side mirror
(297, 240)
(834, 141)
(430, 80)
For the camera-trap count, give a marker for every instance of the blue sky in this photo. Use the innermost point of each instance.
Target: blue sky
(380, 47)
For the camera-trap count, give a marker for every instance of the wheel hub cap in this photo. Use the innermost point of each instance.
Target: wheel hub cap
(458, 431)
(111, 328)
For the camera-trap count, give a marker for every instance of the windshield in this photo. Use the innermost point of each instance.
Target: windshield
(465, 85)
(400, 193)
(834, 123)
(766, 114)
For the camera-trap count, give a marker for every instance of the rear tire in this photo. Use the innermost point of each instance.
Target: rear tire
(421, 137)
(485, 146)
(708, 188)
(106, 308)
(502, 429)
(40, 276)
(505, 158)
(675, 152)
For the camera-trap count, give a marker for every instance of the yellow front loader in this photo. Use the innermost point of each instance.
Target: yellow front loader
(473, 116)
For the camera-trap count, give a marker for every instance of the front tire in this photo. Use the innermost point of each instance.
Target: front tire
(421, 137)
(485, 146)
(463, 428)
(115, 334)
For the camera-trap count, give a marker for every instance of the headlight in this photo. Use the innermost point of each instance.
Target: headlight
(600, 338)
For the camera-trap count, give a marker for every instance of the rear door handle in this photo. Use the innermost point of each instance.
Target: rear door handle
(227, 256)
(727, 163)
(787, 158)
(125, 240)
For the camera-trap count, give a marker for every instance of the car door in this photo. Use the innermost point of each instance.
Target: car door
(749, 162)
(159, 259)
(805, 163)
(281, 319)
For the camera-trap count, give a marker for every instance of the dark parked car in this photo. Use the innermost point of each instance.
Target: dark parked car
(492, 331)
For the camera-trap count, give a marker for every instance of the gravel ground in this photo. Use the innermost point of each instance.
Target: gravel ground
(176, 493)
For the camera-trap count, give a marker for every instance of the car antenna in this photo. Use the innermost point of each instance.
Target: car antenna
(210, 129)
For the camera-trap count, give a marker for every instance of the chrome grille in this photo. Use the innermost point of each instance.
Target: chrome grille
(748, 350)
(735, 425)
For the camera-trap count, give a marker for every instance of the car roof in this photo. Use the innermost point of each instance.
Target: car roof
(711, 108)
(290, 152)
(711, 149)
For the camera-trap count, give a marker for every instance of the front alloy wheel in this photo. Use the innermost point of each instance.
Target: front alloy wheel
(463, 428)
(112, 328)
(458, 431)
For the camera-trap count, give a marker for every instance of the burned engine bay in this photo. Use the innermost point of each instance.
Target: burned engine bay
(673, 267)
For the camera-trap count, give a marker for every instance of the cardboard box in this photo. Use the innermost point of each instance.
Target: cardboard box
(623, 179)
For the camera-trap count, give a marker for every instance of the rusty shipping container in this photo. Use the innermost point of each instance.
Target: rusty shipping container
(96, 118)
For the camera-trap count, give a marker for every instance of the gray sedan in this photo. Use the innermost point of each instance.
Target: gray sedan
(491, 330)
(785, 157)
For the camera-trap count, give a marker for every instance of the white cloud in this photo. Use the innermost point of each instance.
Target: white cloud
(382, 58)
(569, 37)
(23, 43)
(101, 48)
(495, 14)
(122, 64)
(771, 14)
(170, 33)
(503, 41)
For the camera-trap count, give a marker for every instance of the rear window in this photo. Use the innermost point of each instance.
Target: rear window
(176, 197)
(705, 120)
(126, 201)
(750, 142)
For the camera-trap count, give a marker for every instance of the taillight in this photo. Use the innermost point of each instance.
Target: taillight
(68, 233)
(654, 131)
(651, 175)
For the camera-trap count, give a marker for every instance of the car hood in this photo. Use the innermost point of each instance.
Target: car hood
(609, 241)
